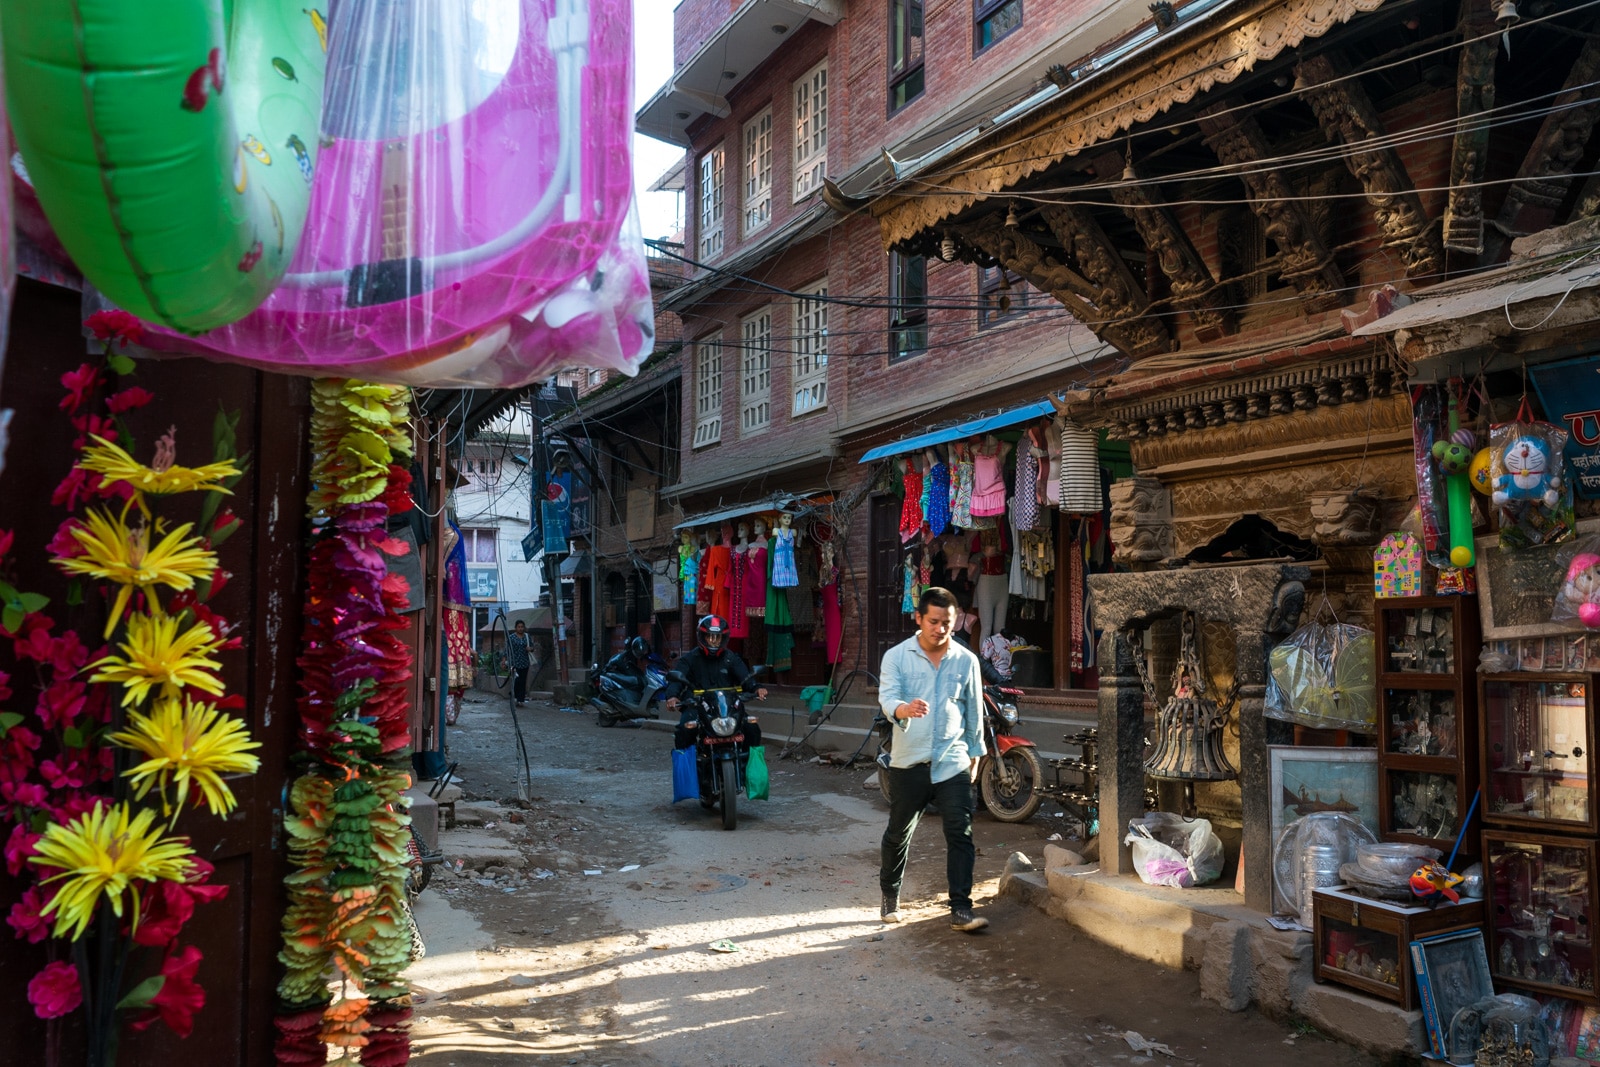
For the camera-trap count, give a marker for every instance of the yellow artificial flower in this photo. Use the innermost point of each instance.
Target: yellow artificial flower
(116, 465)
(156, 656)
(189, 743)
(112, 551)
(99, 853)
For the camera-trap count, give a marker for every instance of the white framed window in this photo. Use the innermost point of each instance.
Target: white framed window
(755, 378)
(758, 172)
(712, 170)
(811, 349)
(811, 130)
(708, 392)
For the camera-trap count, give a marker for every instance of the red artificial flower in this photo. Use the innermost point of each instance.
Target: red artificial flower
(168, 905)
(63, 545)
(19, 846)
(180, 996)
(78, 384)
(219, 578)
(129, 399)
(60, 704)
(78, 487)
(55, 991)
(5, 686)
(69, 773)
(6, 537)
(25, 918)
(115, 325)
(65, 653)
(98, 425)
(28, 794)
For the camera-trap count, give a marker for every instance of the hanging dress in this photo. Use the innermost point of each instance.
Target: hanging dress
(689, 572)
(1052, 472)
(1080, 470)
(961, 507)
(784, 575)
(718, 580)
(938, 498)
(755, 581)
(988, 482)
(1025, 493)
(908, 601)
(780, 624)
(738, 622)
(911, 507)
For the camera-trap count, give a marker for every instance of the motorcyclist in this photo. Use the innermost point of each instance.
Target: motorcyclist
(628, 667)
(710, 665)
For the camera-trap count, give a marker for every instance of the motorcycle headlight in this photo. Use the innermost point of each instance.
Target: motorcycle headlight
(1008, 712)
(724, 726)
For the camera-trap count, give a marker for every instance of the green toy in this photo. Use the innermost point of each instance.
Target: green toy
(1454, 456)
(156, 134)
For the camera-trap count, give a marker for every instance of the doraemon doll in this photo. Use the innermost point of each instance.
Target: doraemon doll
(1531, 473)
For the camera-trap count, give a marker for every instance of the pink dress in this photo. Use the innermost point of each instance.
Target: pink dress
(755, 581)
(738, 622)
(988, 482)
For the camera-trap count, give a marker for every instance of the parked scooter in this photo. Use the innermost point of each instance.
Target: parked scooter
(619, 696)
(1010, 776)
(721, 749)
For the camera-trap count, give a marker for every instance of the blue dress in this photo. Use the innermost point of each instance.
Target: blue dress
(938, 498)
(784, 574)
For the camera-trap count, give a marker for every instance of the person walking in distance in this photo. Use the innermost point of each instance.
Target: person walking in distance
(931, 690)
(517, 656)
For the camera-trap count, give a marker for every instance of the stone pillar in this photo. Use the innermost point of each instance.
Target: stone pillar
(1256, 732)
(1121, 749)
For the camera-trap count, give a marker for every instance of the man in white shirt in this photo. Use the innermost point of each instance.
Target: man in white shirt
(931, 690)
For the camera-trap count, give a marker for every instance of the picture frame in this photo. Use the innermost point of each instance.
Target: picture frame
(1452, 972)
(1516, 590)
(1302, 779)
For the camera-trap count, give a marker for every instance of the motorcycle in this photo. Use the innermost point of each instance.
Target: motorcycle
(1010, 776)
(721, 752)
(617, 696)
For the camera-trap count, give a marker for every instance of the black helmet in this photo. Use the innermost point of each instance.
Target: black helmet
(638, 647)
(713, 635)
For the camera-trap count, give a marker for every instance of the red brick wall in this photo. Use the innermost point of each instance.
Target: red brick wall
(693, 23)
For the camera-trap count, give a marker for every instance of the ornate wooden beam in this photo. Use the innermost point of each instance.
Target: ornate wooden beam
(1302, 256)
(1546, 172)
(1118, 293)
(1345, 113)
(1193, 288)
(1463, 215)
(1017, 252)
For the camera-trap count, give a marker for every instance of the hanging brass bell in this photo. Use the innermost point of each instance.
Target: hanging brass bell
(1188, 743)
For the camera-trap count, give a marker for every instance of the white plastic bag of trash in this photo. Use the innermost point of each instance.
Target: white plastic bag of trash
(1139, 1043)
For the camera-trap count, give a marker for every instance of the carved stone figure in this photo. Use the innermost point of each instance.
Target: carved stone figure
(1346, 518)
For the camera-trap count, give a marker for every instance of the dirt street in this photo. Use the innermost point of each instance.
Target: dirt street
(578, 959)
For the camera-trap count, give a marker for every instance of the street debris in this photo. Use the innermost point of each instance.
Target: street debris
(1139, 1043)
(629, 867)
(723, 945)
(871, 782)
(595, 870)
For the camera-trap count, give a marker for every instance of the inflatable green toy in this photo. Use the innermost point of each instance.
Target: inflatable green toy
(171, 142)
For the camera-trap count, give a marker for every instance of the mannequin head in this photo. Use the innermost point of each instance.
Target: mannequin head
(686, 537)
(760, 528)
(785, 520)
(744, 533)
(727, 533)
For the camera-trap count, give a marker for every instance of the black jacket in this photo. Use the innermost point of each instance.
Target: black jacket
(705, 672)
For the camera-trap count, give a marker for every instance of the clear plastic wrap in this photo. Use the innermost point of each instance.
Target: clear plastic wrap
(1578, 600)
(1529, 483)
(1173, 851)
(1332, 830)
(469, 202)
(1325, 676)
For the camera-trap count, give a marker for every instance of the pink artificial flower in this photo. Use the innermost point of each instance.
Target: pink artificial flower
(116, 325)
(129, 399)
(19, 846)
(168, 905)
(70, 773)
(25, 918)
(6, 537)
(78, 487)
(63, 545)
(98, 425)
(78, 384)
(28, 794)
(5, 686)
(180, 996)
(65, 653)
(55, 991)
(60, 704)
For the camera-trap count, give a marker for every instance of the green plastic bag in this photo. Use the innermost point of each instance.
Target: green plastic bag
(755, 774)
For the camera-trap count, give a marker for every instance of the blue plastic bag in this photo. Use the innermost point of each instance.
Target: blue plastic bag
(685, 783)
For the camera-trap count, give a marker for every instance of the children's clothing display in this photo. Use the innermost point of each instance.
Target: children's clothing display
(689, 572)
(784, 575)
(938, 493)
(988, 480)
(908, 599)
(961, 506)
(911, 508)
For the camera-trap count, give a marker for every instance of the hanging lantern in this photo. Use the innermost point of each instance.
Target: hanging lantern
(1188, 742)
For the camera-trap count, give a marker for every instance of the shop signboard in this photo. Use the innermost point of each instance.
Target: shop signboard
(1569, 391)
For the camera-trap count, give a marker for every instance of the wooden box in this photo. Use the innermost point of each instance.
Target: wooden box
(1366, 944)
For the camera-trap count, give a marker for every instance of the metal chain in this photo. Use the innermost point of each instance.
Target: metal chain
(1140, 661)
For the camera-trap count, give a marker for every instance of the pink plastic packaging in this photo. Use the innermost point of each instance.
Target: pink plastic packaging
(469, 221)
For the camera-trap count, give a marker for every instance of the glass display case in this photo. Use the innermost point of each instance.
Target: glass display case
(1427, 718)
(1538, 767)
(1366, 944)
(1542, 906)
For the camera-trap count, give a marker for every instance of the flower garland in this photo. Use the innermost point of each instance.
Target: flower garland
(347, 826)
(83, 823)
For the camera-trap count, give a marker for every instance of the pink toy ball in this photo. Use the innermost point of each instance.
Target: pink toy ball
(1581, 591)
(1589, 615)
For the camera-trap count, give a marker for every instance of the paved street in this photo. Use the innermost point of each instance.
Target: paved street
(553, 964)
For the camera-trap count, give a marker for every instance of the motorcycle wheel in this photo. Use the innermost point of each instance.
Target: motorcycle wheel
(730, 795)
(1011, 792)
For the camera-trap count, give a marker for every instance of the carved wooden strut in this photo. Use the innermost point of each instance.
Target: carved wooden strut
(1345, 113)
(1463, 215)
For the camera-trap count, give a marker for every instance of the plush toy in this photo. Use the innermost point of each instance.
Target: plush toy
(1580, 592)
(1530, 473)
(1433, 882)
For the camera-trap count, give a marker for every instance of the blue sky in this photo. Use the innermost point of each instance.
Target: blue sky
(652, 66)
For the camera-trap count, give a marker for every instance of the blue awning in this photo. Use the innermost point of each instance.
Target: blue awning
(972, 428)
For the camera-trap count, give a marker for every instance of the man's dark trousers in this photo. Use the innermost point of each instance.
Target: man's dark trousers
(910, 790)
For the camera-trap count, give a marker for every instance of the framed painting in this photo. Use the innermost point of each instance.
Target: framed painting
(1303, 780)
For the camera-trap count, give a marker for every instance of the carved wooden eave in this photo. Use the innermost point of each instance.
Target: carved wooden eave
(1545, 176)
(1345, 112)
(1463, 215)
(1189, 62)
(1303, 258)
(1193, 288)
(1114, 311)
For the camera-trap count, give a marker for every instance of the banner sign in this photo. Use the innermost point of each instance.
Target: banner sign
(1569, 391)
(555, 512)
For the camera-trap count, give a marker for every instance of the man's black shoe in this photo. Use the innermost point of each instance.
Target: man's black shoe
(891, 910)
(962, 919)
